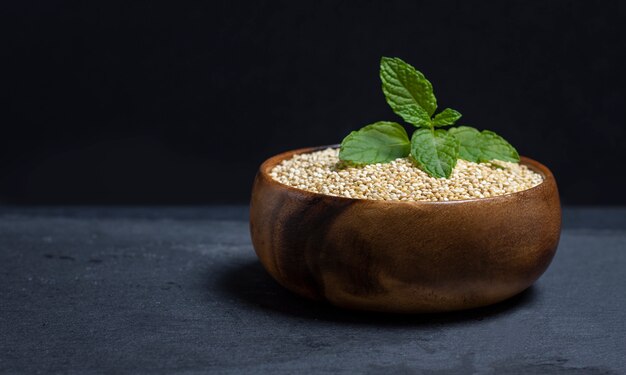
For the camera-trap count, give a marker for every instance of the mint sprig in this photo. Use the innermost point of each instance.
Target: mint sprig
(436, 151)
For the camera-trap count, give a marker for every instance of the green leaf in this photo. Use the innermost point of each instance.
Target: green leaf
(414, 115)
(407, 91)
(495, 147)
(469, 142)
(380, 142)
(435, 151)
(446, 117)
(483, 146)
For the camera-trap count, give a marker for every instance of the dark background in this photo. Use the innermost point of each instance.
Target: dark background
(161, 102)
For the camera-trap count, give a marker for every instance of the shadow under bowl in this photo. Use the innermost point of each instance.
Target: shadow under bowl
(407, 257)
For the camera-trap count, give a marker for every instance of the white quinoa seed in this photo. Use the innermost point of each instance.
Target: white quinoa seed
(400, 180)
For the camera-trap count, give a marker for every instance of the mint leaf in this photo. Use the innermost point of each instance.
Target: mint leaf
(380, 142)
(407, 91)
(414, 115)
(495, 147)
(435, 151)
(446, 117)
(470, 141)
(483, 146)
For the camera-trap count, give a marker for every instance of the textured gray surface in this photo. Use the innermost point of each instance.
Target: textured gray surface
(179, 290)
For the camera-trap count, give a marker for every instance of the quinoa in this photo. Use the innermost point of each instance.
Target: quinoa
(400, 180)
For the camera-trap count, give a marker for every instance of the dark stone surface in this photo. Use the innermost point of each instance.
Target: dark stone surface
(145, 290)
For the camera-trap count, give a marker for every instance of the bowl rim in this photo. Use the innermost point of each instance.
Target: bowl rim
(268, 164)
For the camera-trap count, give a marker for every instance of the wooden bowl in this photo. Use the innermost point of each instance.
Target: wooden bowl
(404, 257)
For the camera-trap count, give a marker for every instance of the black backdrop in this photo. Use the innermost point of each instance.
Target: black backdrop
(167, 102)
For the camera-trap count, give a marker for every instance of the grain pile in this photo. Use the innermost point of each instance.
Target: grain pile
(322, 172)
